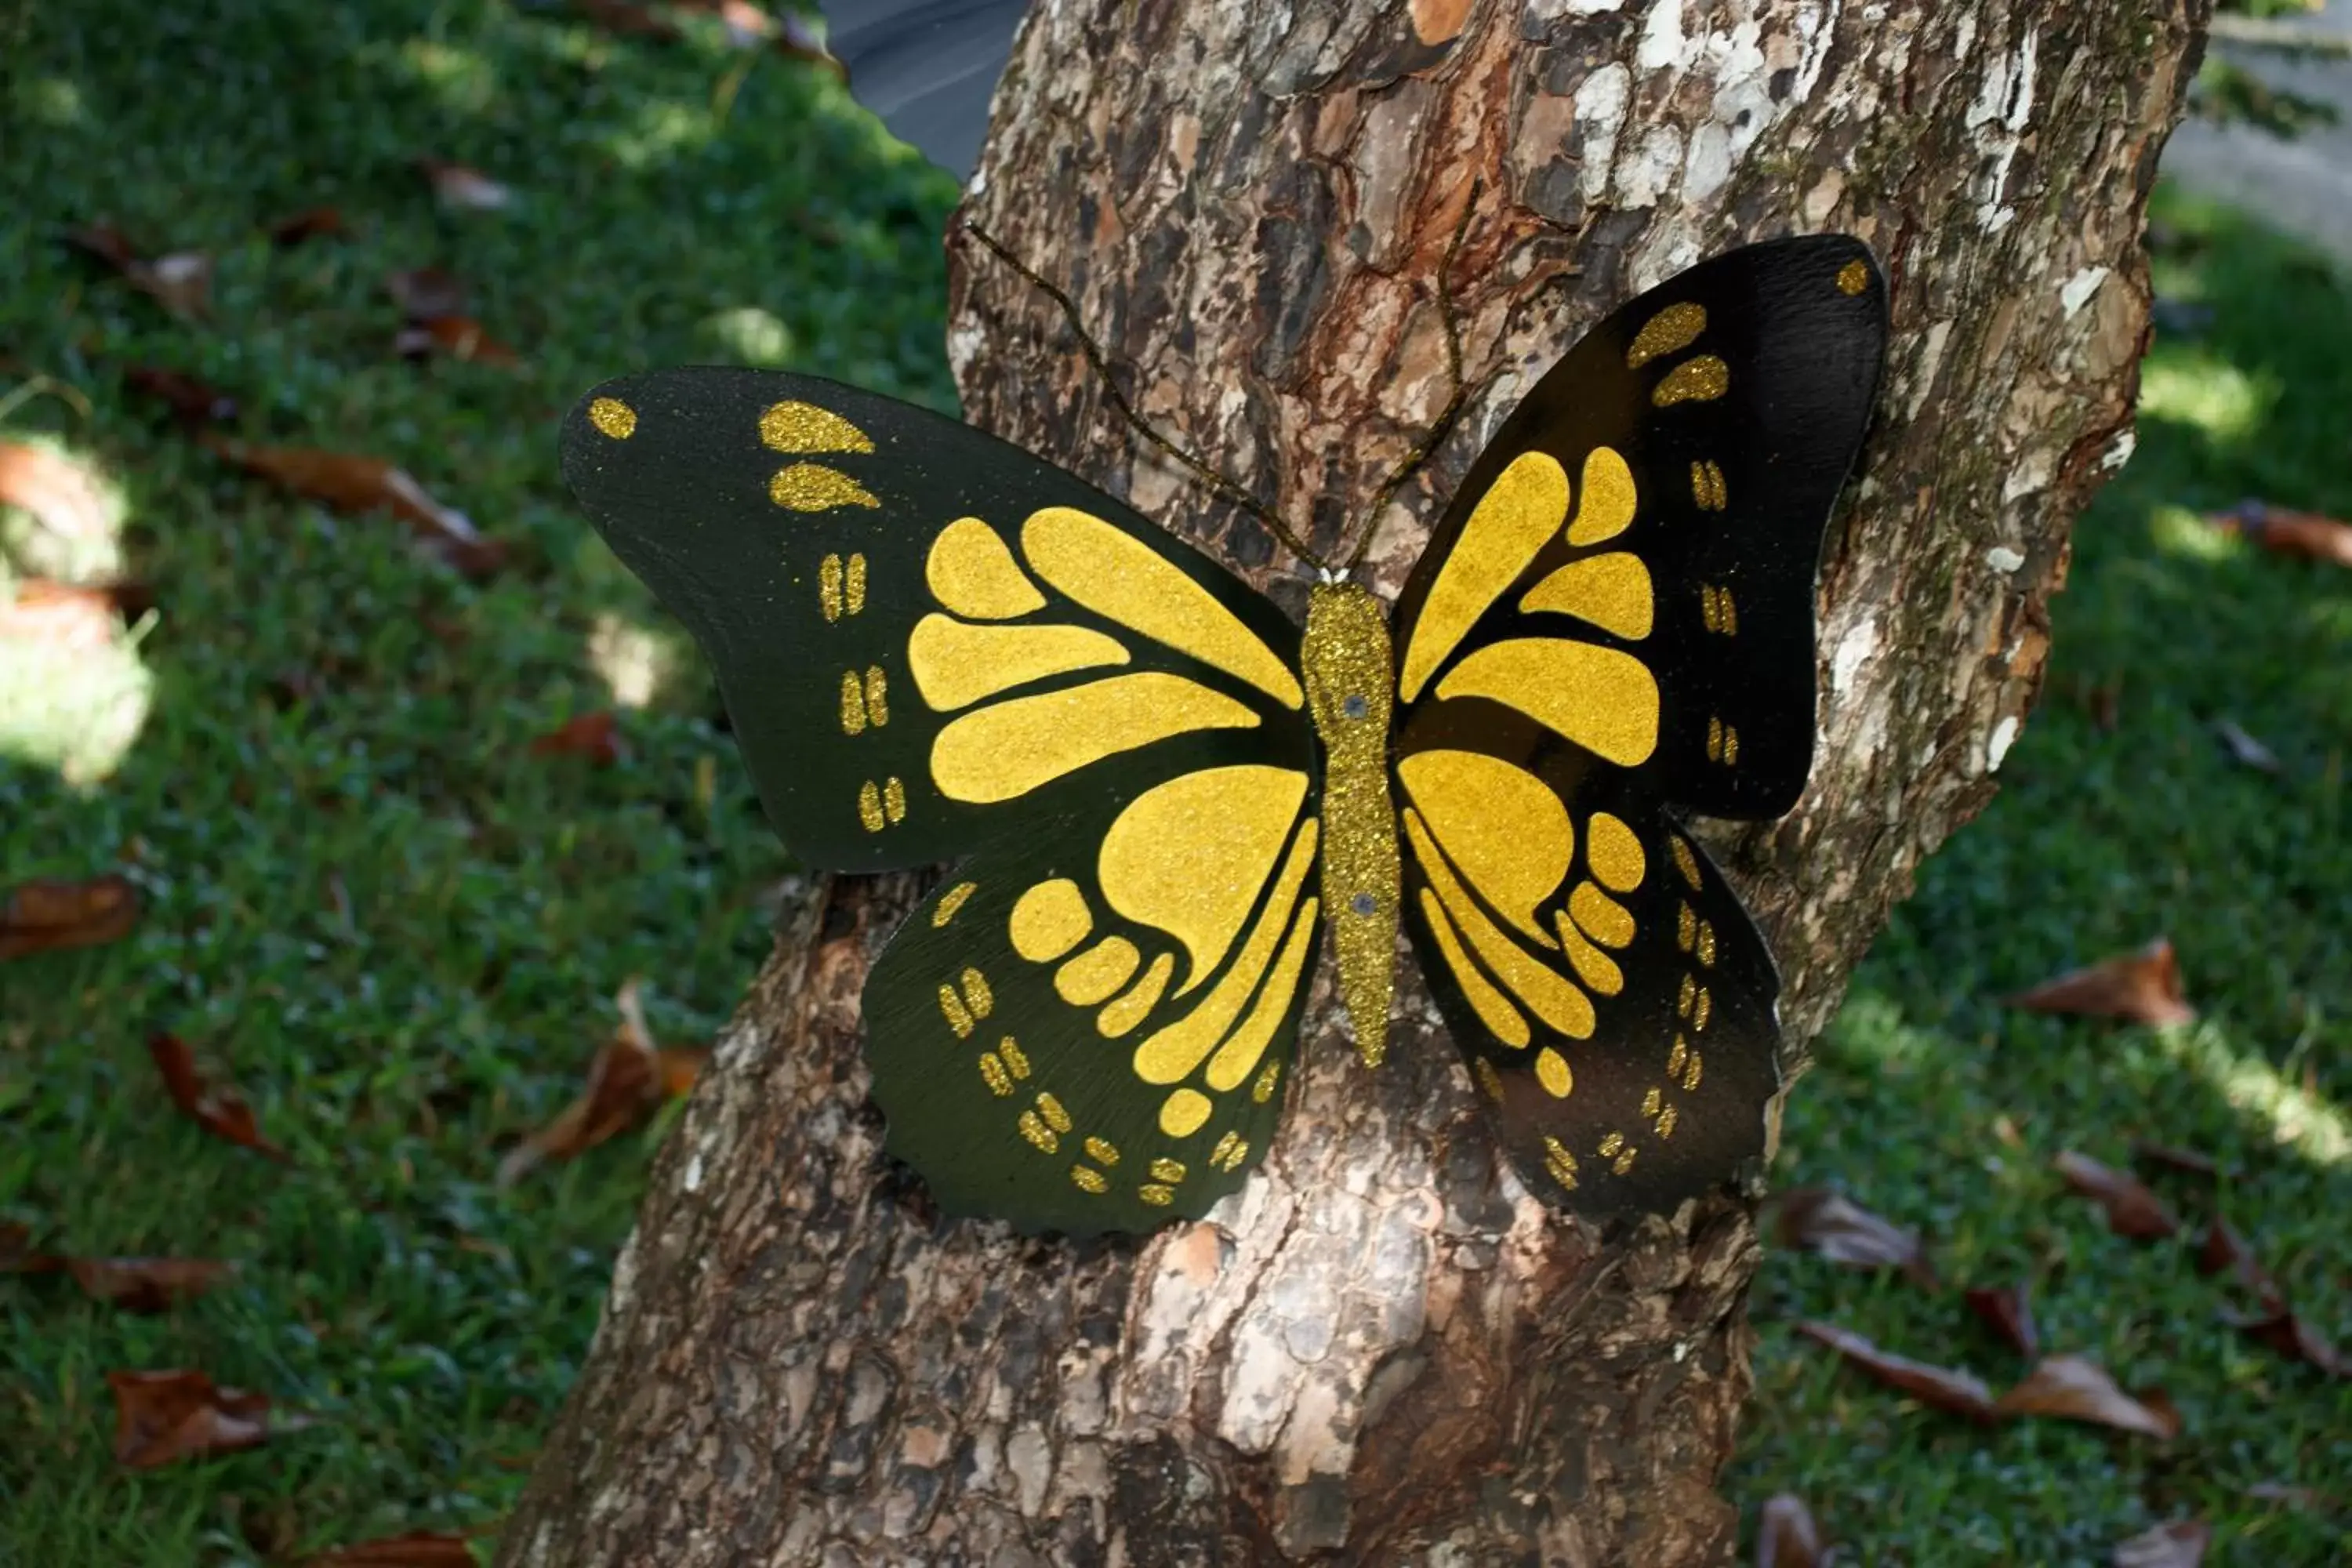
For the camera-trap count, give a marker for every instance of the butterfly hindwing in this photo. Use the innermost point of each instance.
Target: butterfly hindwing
(1616, 617)
(1088, 1026)
(922, 633)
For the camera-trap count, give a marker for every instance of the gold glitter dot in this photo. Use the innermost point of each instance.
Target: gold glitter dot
(1262, 1089)
(613, 417)
(950, 902)
(1623, 1164)
(1650, 1101)
(952, 1008)
(1016, 1060)
(1701, 380)
(878, 696)
(1853, 277)
(828, 587)
(1102, 1151)
(1037, 1132)
(992, 1068)
(1155, 1195)
(1230, 1151)
(976, 994)
(1675, 327)
(855, 588)
(1667, 1120)
(1489, 1079)
(1088, 1179)
(805, 427)
(1055, 1117)
(812, 487)
(853, 704)
(1611, 1144)
(869, 806)
(893, 799)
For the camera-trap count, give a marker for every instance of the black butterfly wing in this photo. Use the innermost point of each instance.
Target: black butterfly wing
(1615, 619)
(933, 644)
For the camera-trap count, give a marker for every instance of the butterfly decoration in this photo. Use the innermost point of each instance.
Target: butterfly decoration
(1159, 794)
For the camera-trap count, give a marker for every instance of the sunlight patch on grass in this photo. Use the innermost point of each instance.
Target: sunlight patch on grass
(659, 131)
(2299, 1118)
(76, 710)
(755, 336)
(2212, 394)
(461, 78)
(634, 662)
(54, 102)
(2177, 530)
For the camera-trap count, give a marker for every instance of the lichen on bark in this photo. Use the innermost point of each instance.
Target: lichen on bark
(1383, 1351)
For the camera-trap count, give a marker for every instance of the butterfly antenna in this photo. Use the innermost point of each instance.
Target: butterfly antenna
(1442, 426)
(1207, 474)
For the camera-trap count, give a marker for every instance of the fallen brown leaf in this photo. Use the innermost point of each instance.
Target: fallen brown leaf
(181, 282)
(1822, 1220)
(2294, 1338)
(192, 402)
(629, 1076)
(310, 223)
(72, 614)
(162, 1416)
(2009, 1311)
(2187, 1162)
(460, 337)
(2283, 531)
(596, 736)
(1962, 1392)
(2177, 1546)
(2078, 1389)
(16, 1254)
(63, 496)
(145, 1284)
(2142, 986)
(350, 482)
(1786, 1536)
(2224, 1251)
(625, 20)
(461, 186)
(2132, 1209)
(424, 292)
(50, 915)
(219, 1110)
(418, 1549)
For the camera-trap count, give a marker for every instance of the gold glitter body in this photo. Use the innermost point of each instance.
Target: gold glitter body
(1351, 676)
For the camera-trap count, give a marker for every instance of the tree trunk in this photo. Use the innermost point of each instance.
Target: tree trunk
(1384, 1351)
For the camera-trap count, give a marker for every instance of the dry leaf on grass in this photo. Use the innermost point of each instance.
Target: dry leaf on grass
(629, 1077)
(72, 616)
(351, 483)
(63, 496)
(2224, 1251)
(16, 1254)
(2283, 531)
(2142, 986)
(193, 402)
(2294, 1338)
(2133, 1210)
(2078, 1389)
(2009, 1312)
(459, 337)
(145, 1284)
(181, 282)
(424, 292)
(418, 1549)
(596, 736)
(1822, 1220)
(49, 914)
(218, 1109)
(162, 1416)
(461, 186)
(1786, 1536)
(2176, 1545)
(1962, 1392)
(2187, 1162)
(310, 223)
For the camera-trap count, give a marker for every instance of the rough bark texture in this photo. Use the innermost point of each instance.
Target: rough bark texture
(1384, 1352)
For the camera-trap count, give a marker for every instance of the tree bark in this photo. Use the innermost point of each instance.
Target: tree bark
(1385, 1351)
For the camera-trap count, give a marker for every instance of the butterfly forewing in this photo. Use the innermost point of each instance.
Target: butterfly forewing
(933, 644)
(1615, 616)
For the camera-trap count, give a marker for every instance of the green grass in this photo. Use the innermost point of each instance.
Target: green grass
(496, 899)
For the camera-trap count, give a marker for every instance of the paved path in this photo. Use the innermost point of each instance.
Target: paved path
(2302, 185)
